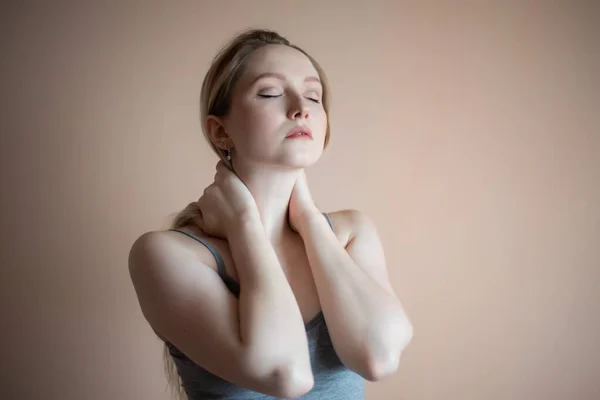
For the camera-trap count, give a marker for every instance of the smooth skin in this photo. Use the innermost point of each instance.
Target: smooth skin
(277, 244)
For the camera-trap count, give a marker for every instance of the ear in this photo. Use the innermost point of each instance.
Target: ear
(215, 129)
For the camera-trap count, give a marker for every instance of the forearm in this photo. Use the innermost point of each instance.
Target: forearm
(366, 322)
(271, 325)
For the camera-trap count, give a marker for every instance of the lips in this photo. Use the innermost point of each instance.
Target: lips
(300, 132)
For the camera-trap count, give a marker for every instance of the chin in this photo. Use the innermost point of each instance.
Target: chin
(299, 161)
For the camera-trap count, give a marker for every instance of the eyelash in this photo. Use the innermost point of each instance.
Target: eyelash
(269, 96)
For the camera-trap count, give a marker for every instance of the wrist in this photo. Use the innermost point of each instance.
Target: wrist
(309, 218)
(249, 218)
(245, 220)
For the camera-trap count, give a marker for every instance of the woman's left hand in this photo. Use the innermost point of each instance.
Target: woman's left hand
(301, 203)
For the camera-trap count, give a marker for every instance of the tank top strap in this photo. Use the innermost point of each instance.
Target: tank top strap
(231, 284)
(328, 218)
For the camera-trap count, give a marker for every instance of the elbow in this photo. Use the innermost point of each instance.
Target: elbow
(378, 369)
(288, 376)
(293, 381)
(383, 363)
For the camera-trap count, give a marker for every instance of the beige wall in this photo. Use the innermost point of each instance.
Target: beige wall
(470, 133)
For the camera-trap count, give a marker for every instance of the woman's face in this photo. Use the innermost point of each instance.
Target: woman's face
(278, 91)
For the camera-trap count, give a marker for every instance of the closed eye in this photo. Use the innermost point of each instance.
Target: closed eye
(272, 96)
(269, 96)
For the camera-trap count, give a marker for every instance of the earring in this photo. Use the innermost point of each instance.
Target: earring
(227, 151)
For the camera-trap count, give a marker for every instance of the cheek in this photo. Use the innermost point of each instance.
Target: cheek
(248, 118)
(261, 123)
(321, 121)
(262, 115)
(252, 127)
(259, 112)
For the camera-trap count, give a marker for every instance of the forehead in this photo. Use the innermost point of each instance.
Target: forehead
(280, 59)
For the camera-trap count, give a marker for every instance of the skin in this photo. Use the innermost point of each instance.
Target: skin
(288, 272)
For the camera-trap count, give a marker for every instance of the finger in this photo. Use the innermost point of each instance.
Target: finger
(223, 172)
(210, 189)
(221, 167)
(200, 207)
(199, 221)
(201, 201)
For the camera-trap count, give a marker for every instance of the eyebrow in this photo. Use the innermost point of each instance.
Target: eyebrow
(281, 77)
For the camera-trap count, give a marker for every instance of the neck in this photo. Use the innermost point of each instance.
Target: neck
(271, 188)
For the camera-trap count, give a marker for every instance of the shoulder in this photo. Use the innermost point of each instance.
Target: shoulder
(159, 248)
(157, 243)
(349, 223)
(152, 244)
(151, 249)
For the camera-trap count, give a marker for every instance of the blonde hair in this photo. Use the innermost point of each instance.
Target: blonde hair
(215, 99)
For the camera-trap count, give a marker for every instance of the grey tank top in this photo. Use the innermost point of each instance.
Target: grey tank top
(333, 381)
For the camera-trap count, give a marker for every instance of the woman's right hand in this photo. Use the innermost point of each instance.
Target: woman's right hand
(225, 203)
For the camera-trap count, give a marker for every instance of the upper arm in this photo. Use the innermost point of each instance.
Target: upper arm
(187, 303)
(365, 248)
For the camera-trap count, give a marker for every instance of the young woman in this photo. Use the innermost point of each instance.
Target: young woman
(255, 292)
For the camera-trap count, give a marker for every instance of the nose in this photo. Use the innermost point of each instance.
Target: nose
(298, 109)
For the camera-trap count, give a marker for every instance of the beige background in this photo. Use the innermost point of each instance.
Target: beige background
(469, 131)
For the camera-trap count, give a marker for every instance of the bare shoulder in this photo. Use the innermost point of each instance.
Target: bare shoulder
(156, 248)
(349, 223)
(167, 269)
